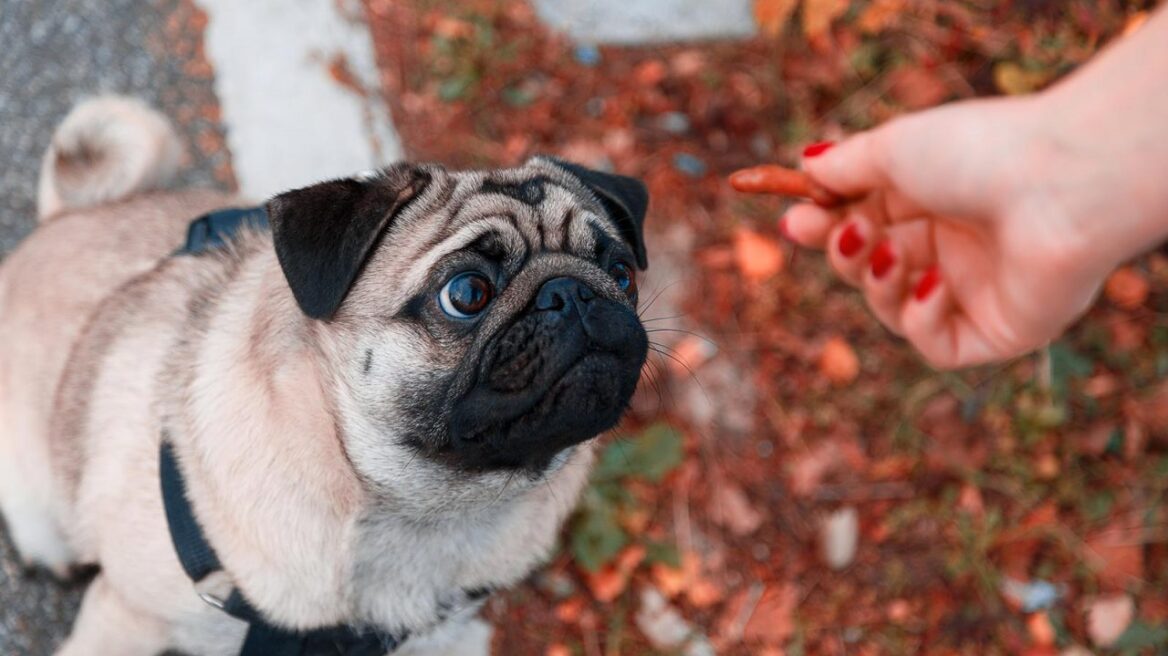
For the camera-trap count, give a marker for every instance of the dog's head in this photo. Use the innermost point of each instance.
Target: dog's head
(480, 321)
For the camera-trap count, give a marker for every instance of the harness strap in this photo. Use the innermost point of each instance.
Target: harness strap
(195, 553)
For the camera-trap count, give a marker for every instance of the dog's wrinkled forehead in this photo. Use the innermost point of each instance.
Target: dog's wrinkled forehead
(510, 214)
(399, 224)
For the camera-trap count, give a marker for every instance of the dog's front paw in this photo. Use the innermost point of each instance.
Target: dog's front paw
(468, 638)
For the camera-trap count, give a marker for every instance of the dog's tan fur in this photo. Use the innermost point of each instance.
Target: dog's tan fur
(105, 342)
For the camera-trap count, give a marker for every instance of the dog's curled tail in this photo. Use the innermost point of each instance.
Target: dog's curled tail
(108, 148)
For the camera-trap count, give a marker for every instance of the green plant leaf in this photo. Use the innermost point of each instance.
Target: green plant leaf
(665, 553)
(1140, 635)
(1066, 365)
(650, 456)
(457, 87)
(596, 537)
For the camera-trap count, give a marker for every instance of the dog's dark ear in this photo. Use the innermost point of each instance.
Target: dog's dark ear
(324, 233)
(625, 198)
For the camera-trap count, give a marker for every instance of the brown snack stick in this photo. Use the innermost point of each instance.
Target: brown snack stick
(774, 179)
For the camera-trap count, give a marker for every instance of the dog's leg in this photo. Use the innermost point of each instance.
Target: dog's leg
(26, 487)
(108, 625)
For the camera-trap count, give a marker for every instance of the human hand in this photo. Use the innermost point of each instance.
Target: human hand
(968, 237)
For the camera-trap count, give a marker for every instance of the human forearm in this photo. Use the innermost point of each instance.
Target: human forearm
(1106, 157)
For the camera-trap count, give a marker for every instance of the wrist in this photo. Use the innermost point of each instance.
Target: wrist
(1097, 176)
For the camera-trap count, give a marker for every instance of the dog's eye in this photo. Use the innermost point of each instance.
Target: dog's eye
(466, 294)
(624, 276)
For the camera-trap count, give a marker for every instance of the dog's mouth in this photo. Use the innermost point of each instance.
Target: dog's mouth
(532, 403)
(579, 372)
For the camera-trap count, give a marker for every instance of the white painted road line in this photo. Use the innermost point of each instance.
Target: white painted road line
(289, 121)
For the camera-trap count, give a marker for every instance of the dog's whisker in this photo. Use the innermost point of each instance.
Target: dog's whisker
(651, 301)
(503, 490)
(669, 318)
(681, 330)
(662, 350)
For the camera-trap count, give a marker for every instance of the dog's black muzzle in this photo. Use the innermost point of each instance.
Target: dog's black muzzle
(560, 374)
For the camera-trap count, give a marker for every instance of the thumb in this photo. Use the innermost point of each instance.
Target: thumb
(852, 167)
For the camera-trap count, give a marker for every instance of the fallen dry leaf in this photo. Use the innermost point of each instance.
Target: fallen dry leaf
(1127, 288)
(916, 87)
(672, 581)
(818, 15)
(1012, 79)
(608, 583)
(758, 258)
(732, 621)
(772, 620)
(1108, 618)
(704, 593)
(1134, 22)
(970, 500)
(1126, 336)
(1151, 411)
(899, 611)
(838, 361)
(879, 15)
(1117, 554)
(772, 15)
(809, 467)
(569, 611)
(1040, 629)
(731, 508)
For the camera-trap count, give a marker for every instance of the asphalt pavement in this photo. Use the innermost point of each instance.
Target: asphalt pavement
(54, 53)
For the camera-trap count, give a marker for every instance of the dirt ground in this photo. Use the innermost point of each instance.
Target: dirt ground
(1012, 509)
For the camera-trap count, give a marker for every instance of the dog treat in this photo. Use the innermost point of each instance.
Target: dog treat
(775, 179)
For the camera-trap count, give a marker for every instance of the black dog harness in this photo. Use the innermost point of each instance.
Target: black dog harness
(198, 558)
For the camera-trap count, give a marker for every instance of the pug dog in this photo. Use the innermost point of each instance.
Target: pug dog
(377, 410)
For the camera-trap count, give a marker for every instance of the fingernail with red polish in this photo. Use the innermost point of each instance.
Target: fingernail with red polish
(927, 283)
(817, 148)
(882, 259)
(850, 241)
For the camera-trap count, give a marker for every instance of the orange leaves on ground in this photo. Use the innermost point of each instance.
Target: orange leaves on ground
(558, 649)
(773, 619)
(818, 15)
(1018, 546)
(569, 612)
(772, 15)
(610, 581)
(1040, 629)
(879, 15)
(1012, 79)
(970, 500)
(808, 468)
(1127, 288)
(838, 361)
(1150, 413)
(757, 257)
(1117, 554)
(699, 590)
(916, 87)
(730, 508)
(1135, 22)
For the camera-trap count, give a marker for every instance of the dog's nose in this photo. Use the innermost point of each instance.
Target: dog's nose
(562, 294)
